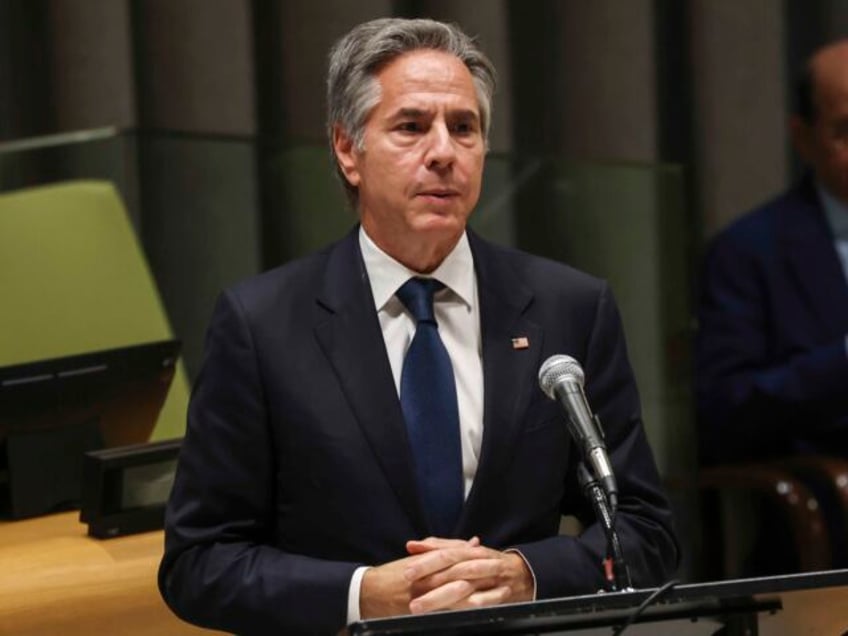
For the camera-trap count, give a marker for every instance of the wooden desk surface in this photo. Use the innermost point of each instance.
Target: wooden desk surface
(54, 579)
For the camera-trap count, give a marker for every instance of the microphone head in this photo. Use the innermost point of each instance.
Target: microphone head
(556, 369)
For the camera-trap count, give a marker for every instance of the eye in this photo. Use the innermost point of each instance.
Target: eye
(408, 127)
(840, 132)
(463, 128)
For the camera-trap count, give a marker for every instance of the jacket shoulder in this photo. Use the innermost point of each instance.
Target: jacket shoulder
(761, 225)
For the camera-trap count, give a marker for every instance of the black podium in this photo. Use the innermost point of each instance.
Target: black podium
(812, 604)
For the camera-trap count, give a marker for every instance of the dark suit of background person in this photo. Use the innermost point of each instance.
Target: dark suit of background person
(296, 468)
(772, 363)
(772, 356)
(772, 367)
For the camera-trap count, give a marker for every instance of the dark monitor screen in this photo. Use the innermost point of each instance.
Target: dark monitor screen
(53, 411)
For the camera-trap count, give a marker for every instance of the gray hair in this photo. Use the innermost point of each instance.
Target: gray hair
(352, 87)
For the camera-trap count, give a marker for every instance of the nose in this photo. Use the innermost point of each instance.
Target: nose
(441, 151)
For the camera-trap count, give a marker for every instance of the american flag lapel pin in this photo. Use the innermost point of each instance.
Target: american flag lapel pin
(520, 343)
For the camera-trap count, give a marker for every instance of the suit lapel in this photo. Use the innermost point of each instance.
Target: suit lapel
(813, 262)
(348, 331)
(509, 371)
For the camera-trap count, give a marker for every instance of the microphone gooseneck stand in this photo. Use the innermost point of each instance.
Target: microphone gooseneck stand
(616, 572)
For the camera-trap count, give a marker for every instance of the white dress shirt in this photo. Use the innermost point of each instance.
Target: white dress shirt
(836, 214)
(457, 311)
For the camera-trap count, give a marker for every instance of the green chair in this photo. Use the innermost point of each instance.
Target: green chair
(73, 279)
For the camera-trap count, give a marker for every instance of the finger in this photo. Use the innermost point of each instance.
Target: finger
(445, 597)
(427, 563)
(485, 598)
(422, 587)
(437, 543)
(481, 573)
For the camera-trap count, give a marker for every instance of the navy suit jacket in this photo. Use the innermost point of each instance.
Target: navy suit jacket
(772, 368)
(295, 468)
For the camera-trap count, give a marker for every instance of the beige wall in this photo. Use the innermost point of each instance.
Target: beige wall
(740, 113)
(609, 108)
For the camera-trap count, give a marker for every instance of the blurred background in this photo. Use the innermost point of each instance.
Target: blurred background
(625, 134)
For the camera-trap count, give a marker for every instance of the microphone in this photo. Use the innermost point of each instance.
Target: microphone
(561, 378)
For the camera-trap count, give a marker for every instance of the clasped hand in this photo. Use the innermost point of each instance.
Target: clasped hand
(444, 574)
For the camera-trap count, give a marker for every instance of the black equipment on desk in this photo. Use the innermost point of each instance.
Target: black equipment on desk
(53, 411)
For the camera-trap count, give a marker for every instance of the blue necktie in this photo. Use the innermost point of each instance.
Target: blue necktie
(428, 400)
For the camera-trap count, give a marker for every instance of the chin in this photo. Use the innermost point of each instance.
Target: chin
(440, 226)
(439, 219)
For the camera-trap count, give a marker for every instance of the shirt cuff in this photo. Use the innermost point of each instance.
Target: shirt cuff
(529, 567)
(353, 594)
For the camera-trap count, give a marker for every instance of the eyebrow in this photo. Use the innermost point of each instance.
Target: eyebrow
(415, 113)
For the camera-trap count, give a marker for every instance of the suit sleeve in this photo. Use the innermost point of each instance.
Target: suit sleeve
(567, 565)
(221, 568)
(750, 395)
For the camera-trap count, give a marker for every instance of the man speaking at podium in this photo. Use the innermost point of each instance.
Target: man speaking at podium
(367, 436)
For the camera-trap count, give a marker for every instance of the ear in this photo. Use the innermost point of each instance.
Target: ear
(801, 133)
(346, 155)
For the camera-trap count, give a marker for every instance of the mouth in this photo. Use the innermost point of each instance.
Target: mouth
(438, 193)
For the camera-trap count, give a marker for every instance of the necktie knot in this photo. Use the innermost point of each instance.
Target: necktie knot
(417, 296)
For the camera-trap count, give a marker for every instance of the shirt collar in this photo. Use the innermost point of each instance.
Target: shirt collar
(386, 274)
(835, 211)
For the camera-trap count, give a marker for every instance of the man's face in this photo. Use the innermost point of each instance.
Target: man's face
(823, 144)
(420, 170)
